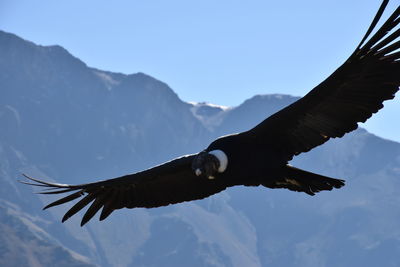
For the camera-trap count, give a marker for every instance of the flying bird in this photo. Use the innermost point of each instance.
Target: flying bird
(260, 156)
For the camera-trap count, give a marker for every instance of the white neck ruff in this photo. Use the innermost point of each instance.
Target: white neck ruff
(222, 158)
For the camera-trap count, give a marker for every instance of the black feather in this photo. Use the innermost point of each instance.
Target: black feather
(65, 199)
(94, 208)
(78, 206)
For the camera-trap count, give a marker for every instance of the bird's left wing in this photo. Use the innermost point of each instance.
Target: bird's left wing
(169, 183)
(350, 95)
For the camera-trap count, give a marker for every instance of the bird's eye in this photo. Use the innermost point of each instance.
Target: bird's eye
(198, 172)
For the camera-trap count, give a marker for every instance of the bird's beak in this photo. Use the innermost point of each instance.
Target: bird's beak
(197, 172)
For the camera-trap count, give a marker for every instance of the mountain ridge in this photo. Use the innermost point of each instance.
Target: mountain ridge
(73, 124)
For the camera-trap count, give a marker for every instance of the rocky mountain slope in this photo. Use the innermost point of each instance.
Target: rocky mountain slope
(62, 120)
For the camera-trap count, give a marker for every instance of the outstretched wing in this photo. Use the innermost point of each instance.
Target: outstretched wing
(169, 183)
(350, 95)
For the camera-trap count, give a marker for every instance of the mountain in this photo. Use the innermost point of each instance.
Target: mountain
(24, 244)
(62, 120)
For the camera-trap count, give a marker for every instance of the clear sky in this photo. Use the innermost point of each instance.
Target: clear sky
(219, 51)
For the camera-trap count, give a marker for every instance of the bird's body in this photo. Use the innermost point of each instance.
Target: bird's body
(248, 160)
(260, 156)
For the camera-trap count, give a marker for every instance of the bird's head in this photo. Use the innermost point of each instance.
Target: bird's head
(208, 164)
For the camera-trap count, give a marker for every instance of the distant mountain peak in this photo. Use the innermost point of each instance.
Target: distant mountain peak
(109, 80)
(210, 115)
(270, 97)
(12, 37)
(210, 105)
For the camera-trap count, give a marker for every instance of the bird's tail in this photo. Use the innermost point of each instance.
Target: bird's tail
(303, 181)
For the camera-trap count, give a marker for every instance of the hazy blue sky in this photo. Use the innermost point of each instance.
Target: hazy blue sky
(218, 51)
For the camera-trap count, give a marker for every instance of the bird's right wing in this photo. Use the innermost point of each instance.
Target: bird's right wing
(350, 95)
(169, 183)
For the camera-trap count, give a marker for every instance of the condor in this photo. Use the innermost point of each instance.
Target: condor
(260, 156)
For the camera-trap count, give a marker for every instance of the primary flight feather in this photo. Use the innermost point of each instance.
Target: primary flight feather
(260, 156)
